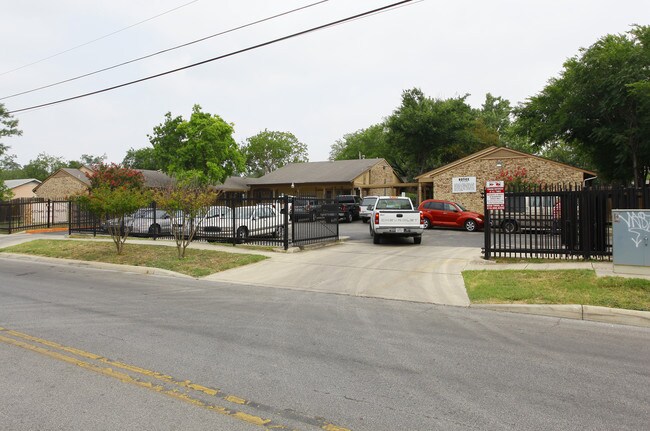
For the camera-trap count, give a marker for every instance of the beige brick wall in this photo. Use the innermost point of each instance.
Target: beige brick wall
(60, 186)
(486, 169)
(381, 173)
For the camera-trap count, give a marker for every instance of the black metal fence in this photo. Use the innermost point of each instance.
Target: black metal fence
(282, 221)
(36, 213)
(558, 222)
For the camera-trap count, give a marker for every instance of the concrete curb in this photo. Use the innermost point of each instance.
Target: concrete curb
(146, 270)
(575, 311)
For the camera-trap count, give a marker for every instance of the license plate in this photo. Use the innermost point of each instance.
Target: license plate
(399, 230)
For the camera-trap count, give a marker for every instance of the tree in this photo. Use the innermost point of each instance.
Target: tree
(201, 148)
(270, 150)
(425, 133)
(188, 204)
(43, 166)
(367, 143)
(600, 105)
(115, 192)
(143, 158)
(8, 127)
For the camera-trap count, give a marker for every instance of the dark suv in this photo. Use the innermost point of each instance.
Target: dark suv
(306, 208)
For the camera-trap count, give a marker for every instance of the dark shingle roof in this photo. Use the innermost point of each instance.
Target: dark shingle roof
(77, 174)
(156, 179)
(340, 171)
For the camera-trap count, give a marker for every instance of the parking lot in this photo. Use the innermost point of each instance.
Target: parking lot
(357, 231)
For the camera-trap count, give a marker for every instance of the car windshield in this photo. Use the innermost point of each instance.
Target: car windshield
(462, 208)
(368, 201)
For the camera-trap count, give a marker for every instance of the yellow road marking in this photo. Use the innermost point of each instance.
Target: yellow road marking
(126, 378)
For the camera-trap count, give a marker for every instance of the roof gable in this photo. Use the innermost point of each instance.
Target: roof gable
(495, 153)
(339, 171)
(12, 184)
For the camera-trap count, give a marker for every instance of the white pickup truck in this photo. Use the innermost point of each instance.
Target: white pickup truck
(395, 216)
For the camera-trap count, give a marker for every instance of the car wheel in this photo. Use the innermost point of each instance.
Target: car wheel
(348, 217)
(427, 223)
(242, 233)
(279, 232)
(417, 239)
(376, 239)
(365, 220)
(470, 225)
(154, 229)
(509, 226)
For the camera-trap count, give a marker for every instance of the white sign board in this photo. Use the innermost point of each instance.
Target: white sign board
(494, 195)
(463, 185)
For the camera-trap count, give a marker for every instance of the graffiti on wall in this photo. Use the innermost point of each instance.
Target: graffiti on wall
(638, 224)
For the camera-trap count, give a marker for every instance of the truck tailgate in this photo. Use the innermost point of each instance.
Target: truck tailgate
(389, 218)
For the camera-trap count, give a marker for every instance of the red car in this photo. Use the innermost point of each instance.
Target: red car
(449, 214)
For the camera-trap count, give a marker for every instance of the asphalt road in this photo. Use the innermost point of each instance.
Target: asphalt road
(106, 350)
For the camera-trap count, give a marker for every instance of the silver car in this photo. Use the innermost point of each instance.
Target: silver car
(367, 206)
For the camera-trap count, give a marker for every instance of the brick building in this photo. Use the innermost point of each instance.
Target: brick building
(67, 182)
(360, 177)
(463, 180)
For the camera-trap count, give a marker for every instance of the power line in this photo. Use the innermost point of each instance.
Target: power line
(233, 53)
(164, 50)
(99, 38)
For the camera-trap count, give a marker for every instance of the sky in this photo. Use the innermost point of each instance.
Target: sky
(319, 86)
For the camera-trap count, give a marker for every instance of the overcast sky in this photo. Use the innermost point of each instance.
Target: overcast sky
(319, 86)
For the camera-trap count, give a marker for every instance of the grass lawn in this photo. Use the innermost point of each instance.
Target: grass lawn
(197, 263)
(556, 287)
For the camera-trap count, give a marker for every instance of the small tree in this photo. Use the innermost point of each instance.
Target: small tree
(5, 193)
(115, 193)
(517, 179)
(188, 205)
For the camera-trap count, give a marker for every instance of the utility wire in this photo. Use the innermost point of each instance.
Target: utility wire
(233, 53)
(164, 50)
(99, 38)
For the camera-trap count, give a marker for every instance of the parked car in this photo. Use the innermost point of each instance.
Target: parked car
(209, 224)
(254, 220)
(450, 214)
(144, 221)
(305, 208)
(346, 207)
(539, 213)
(367, 206)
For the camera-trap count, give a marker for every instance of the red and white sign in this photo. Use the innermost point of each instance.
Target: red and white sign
(494, 195)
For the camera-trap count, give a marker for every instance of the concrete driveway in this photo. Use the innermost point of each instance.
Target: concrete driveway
(396, 269)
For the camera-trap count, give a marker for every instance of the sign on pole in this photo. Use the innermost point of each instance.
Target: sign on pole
(494, 195)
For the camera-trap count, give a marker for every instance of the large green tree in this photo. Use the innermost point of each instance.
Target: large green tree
(270, 150)
(425, 133)
(368, 143)
(201, 148)
(142, 158)
(600, 104)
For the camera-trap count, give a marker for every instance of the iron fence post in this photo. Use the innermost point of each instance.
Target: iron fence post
(11, 216)
(486, 231)
(285, 203)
